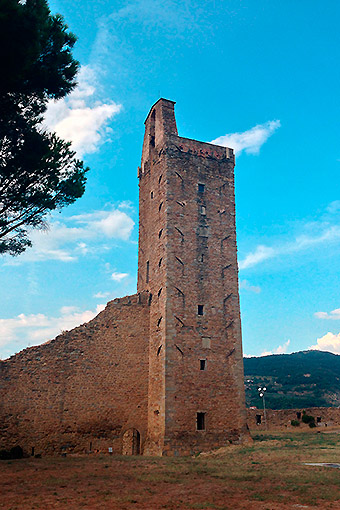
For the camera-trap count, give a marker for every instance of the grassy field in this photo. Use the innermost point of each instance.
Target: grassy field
(269, 475)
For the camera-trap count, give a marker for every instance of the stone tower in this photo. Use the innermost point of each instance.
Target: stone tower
(188, 264)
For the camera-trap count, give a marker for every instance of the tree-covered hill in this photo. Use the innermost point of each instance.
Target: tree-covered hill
(301, 379)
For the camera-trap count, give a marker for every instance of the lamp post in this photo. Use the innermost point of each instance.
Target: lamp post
(261, 394)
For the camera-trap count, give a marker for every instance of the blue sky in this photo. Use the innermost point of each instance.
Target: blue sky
(260, 76)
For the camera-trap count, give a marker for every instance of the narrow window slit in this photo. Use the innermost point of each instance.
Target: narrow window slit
(159, 321)
(159, 292)
(159, 350)
(160, 233)
(151, 195)
(200, 309)
(201, 421)
(160, 206)
(203, 364)
(147, 271)
(201, 188)
(160, 262)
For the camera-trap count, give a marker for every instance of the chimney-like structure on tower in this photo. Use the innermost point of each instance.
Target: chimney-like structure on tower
(188, 263)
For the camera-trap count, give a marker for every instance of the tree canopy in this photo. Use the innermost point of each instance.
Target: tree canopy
(301, 379)
(38, 171)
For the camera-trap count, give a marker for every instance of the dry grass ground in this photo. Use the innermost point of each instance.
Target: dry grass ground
(269, 475)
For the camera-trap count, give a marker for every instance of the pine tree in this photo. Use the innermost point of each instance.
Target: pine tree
(38, 171)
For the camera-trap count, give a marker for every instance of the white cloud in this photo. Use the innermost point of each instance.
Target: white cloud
(101, 295)
(80, 118)
(250, 141)
(244, 284)
(300, 243)
(261, 253)
(114, 223)
(118, 277)
(333, 315)
(281, 349)
(329, 342)
(25, 330)
(76, 236)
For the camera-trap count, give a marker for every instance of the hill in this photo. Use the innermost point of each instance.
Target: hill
(301, 379)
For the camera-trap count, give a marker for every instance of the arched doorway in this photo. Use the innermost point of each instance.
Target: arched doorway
(131, 442)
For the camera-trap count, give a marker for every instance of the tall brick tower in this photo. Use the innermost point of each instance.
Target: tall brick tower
(188, 263)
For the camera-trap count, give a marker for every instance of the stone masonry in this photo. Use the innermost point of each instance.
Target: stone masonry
(160, 372)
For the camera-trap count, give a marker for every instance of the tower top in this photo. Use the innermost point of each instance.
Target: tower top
(164, 102)
(160, 124)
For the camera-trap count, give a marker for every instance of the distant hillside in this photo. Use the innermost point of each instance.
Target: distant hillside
(301, 379)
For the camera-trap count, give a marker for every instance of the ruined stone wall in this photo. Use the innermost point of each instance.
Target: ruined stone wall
(82, 390)
(281, 419)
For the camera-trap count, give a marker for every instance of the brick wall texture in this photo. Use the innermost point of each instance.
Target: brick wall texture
(281, 418)
(160, 372)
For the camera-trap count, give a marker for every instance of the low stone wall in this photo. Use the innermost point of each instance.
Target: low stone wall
(82, 390)
(278, 419)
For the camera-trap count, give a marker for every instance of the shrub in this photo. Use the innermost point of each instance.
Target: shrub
(307, 418)
(295, 423)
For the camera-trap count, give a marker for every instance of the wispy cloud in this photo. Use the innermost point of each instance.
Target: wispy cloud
(329, 342)
(260, 254)
(333, 315)
(244, 284)
(333, 207)
(77, 236)
(301, 242)
(118, 277)
(80, 118)
(101, 295)
(27, 330)
(165, 13)
(249, 141)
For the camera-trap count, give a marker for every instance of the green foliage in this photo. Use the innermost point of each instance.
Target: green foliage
(294, 381)
(36, 50)
(295, 423)
(38, 171)
(309, 419)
